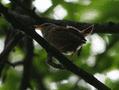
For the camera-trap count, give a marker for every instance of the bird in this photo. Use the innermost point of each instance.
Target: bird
(64, 38)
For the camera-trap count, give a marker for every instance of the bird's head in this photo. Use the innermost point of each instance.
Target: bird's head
(44, 26)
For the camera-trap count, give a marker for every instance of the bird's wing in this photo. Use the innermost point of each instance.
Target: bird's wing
(65, 39)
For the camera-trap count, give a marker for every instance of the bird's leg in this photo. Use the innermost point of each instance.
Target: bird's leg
(53, 64)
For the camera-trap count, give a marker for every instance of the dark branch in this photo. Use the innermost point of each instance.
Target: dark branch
(62, 59)
(15, 63)
(9, 46)
(38, 78)
(34, 19)
(25, 83)
(67, 63)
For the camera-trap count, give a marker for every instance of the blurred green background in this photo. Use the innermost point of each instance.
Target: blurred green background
(99, 56)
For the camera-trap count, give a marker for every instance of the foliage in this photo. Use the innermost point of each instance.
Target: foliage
(92, 11)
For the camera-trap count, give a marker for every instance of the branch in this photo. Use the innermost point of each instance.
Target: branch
(38, 78)
(15, 63)
(67, 63)
(62, 59)
(27, 64)
(109, 27)
(9, 46)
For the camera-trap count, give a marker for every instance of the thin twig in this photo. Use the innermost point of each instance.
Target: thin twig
(10, 45)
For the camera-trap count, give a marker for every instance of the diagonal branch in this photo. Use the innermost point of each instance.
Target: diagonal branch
(67, 63)
(62, 59)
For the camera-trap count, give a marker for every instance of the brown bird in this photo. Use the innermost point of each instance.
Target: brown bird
(65, 39)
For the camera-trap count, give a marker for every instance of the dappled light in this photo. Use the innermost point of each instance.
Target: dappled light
(46, 59)
(75, 1)
(91, 60)
(53, 86)
(85, 2)
(89, 16)
(5, 1)
(113, 75)
(59, 12)
(101, 77)
(1, 44)
(42, 5)
(98, 44)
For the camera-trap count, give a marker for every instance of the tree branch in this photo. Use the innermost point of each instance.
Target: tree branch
(33, 19)
(62, 59)
(9, 46)
(25, 83)
(38, 78)
(67, 63)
